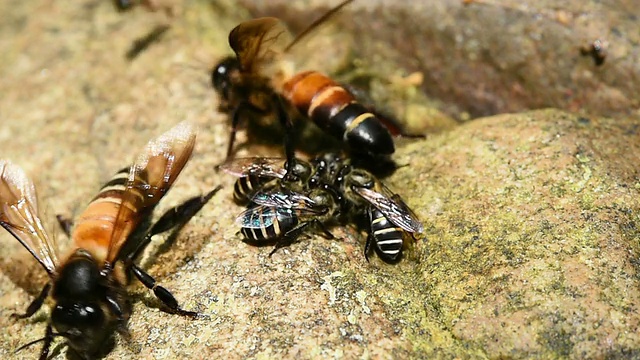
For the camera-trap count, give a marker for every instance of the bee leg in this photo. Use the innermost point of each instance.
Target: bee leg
(66, 224)
(48, 339)
(35, 305)
(290, 236)
(161, 293)
(289, 146)
(324, 229)
(174, 218)
(236, 116)
(367, 247)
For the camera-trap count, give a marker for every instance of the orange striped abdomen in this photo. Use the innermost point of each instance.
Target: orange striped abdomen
(334, 109)
(94, 227)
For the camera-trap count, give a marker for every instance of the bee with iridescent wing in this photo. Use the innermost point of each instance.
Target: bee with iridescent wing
(283, 215)
(87, 285)
(262, 173)
(390, 218)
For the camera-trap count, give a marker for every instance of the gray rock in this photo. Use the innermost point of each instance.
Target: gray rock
(530, 248)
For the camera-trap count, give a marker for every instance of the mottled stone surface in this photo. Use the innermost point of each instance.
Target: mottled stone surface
(531, 240)
(482, 57)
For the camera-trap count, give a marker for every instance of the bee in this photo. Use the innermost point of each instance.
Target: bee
(597, 50)
(283, 215)
(257, 174)
(253, 82)
(389, 217)
(87, 285)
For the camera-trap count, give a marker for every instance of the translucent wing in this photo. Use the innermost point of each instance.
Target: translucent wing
(283, 199)
(19, 215)
(258, 216)
(393, 207)
(258, 166)
(259, 42)
(150, 177)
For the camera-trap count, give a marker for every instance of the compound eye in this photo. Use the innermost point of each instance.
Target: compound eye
(221, 74)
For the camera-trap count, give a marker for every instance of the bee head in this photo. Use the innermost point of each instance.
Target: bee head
(360, 178)
(223, 75)
(79, 292)
(301, 171)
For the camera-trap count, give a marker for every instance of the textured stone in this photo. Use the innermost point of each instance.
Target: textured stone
(531, 240)
(485, 57)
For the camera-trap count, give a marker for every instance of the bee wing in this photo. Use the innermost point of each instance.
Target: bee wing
(257, 217)
(19, 215)
(393, 207)
(259, 42)
(258, 166)
(283, 199)
(150, 177)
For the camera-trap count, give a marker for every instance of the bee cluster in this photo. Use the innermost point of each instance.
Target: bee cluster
(284, 197)
(328, 189)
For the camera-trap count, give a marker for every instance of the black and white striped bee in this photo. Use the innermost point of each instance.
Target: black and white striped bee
(390, 218)
(257, 174)
(282, 216)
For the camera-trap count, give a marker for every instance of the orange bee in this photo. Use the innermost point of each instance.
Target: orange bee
(257, 82)
(87, 285)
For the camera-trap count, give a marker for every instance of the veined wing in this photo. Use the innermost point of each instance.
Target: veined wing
(19, 215)
(283, 199)
(256, 166)
(260, 216)
(259, 42)
(150, 177)
(393, 207)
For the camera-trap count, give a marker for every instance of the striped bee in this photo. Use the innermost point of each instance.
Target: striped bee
(282, 216)
(87, 285)
(257, 174)
(390, 218)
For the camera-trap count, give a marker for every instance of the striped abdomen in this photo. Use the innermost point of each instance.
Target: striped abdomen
(268, 223)
(386, 236)
(336, 110)
(246, 187)
(95, 225)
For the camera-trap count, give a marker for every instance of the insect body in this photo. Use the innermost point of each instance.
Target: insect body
(257, 174)
(87, 285)
(284, 215)
(386, 236)
(257, 81)
(388, 215)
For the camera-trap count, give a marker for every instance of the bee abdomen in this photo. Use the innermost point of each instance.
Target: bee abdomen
(94, 226)
(334, 109)
(387, 236)
(268, 223)
(245, 187)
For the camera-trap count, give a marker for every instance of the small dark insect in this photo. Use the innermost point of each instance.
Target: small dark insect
(283, 215)
(276, 205)
(597, 50)
(256, 81)
(257, 174)
(87, 285)
(141, 44)
(388, 215)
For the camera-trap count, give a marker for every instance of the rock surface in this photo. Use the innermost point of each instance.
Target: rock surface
(482, 57)
(531, 241)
